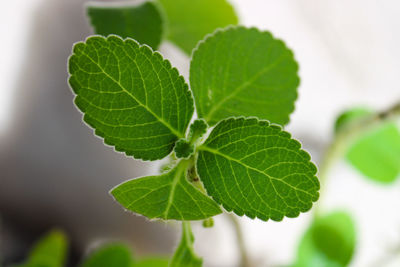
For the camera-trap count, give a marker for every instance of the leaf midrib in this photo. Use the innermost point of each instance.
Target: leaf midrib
(181, 167)
(265, 70)
(172, 129)
(217, 152)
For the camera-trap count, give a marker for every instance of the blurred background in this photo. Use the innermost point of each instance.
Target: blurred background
(55, 173)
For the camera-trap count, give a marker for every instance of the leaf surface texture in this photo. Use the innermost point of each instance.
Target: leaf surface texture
(241, 71)
(133, 97)
(254, 168)
(167, 196)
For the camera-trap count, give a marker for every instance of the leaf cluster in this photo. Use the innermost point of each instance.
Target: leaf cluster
(139, 104)
(242, 88)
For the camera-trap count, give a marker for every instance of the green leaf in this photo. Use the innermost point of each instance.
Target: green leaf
(141, 22)
(243, 72)
(189, 21)
(255, 168)
(197, 129)
(133, 97)
(50, 251)
(184, 255)
(183, 149)
(115, 255)
(377, 154)
(167, 196)
(208, 223)
(152, 262)
(329, 242)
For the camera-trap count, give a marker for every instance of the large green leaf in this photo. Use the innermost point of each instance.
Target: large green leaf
(167, 196)
(49, 251)
(184, 255)
(254, 168)
(244, 72)
(133, 97)
(189, 21)
(141, 22)
(115, 255)
(329, 242)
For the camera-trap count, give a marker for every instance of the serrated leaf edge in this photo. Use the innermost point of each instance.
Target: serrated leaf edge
(240, 27)
(239, 213)
(141, 46)
(175, 181)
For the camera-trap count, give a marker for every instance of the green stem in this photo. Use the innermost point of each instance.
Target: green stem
(346, 136)
(244, 258)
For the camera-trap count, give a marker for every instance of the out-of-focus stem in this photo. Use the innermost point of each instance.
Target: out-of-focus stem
(244, 258)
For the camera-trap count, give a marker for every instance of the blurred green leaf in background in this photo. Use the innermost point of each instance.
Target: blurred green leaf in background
(142, 22)
(49, 251)
(376, 153)
(182, 22)
(329, 242)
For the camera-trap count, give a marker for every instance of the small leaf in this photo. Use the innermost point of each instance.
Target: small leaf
(348, 117)
(208, 223)
(152, 262)
(115, 255)
(184, 255)
(197, 129)
(50, 251)
(183, 149)
(254, 168)
(330, 241)
(243, 72)
(133, 97)
(167, 196)
(377, 154)
(189, 21)
(142, 22)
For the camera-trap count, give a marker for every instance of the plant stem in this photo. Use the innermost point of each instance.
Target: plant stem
(346, 136)
(244, 258)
